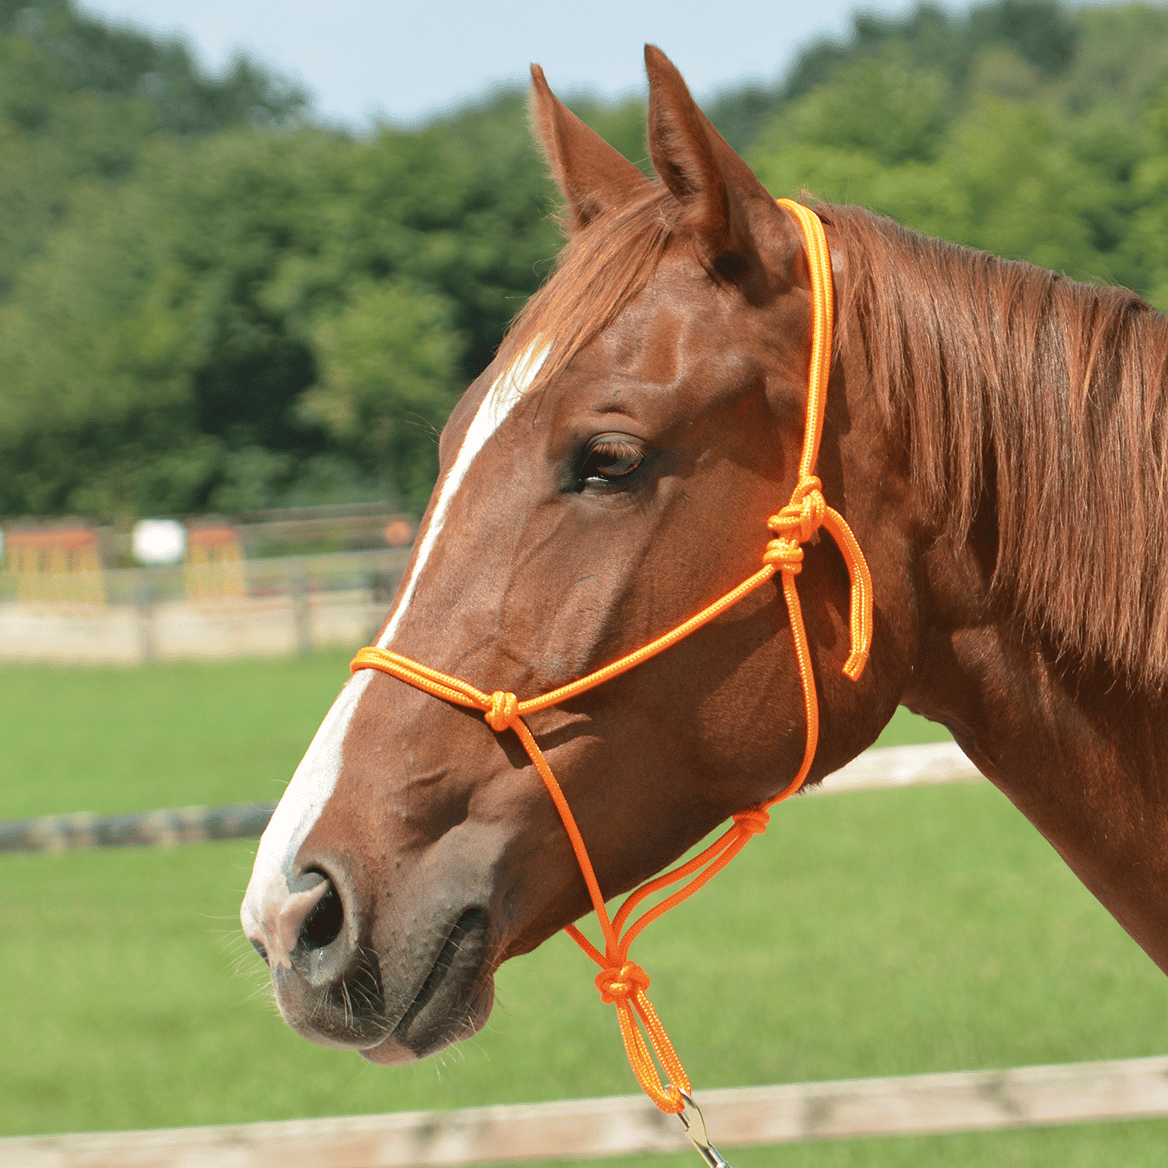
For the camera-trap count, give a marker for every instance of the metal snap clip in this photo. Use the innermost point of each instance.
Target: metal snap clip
(695, 1128)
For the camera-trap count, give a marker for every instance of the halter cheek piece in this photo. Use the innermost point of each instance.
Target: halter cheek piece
(621, 982)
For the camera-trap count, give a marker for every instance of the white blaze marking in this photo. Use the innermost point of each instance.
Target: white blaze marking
(298, 809)
(316, 777)
(502, 398)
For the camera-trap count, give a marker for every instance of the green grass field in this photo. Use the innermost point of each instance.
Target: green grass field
(878, 934)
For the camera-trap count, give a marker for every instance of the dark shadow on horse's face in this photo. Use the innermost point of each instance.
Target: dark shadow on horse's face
(585, 507)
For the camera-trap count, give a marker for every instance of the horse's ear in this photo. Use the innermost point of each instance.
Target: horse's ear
(701, 169)
(594, 177)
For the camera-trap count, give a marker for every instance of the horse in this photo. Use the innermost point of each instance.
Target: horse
(994, 436)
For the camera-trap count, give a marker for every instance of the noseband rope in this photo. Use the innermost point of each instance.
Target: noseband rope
(622, 982)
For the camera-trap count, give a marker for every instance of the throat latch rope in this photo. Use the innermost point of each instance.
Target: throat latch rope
(622, 982)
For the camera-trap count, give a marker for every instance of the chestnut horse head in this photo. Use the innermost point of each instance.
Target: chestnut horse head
(610, 474)
(607, 476)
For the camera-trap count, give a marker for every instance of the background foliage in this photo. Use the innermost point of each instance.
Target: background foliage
(209, 301)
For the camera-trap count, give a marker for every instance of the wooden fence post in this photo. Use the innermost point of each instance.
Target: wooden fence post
(301, 612)
(144, 607)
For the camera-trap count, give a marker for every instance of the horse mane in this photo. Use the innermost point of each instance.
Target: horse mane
(1010, 385)
(1044, 398)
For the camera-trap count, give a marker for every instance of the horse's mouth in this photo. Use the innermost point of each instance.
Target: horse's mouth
(453, 1000)
(344, 999)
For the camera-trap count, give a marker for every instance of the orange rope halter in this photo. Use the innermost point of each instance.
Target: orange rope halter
(622, 982)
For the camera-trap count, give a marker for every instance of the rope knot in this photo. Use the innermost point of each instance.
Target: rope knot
(803, 516)
(784, 552)
(752, 819)
(502, 711)
(620, 982)
(795, 524)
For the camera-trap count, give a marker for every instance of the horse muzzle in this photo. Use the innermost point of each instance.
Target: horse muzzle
(397, 996)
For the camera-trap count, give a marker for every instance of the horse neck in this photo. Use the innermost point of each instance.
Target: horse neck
(1050, 398)
(1082, 756)
(1054, 682)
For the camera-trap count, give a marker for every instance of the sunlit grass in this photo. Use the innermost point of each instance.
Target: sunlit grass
(877, 934)
(172, 735)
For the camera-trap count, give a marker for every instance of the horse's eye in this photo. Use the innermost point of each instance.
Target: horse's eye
(611, 459)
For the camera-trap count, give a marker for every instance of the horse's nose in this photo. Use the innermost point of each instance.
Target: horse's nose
(327, 983)
(308, 919)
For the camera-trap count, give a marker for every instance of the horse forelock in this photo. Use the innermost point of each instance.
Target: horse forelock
(602, 267)
(1047, 398)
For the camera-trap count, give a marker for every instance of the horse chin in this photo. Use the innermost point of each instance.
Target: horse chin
(389, 1053)
(437, 1032)
(456, 1008)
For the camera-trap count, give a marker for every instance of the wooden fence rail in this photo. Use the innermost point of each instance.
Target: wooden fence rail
(891, 767)
(736, 1117)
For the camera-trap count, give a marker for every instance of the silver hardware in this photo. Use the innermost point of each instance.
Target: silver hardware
(695, 1128)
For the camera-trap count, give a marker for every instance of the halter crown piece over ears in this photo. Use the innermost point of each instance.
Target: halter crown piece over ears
(622, 982)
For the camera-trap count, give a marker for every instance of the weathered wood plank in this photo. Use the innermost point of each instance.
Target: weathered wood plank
(974, 1101)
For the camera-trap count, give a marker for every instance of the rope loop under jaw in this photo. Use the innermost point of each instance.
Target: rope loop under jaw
(752, 820)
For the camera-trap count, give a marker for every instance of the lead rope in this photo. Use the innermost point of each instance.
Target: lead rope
(621, 981)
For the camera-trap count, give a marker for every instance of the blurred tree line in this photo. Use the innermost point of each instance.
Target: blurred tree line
(209, 301)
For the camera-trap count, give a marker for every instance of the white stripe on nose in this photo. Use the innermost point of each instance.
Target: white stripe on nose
(274, 879)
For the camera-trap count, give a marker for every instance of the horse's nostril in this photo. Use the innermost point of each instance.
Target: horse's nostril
(323, 925)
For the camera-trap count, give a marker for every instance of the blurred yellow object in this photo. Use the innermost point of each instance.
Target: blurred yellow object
(214, 564)
(56, 565)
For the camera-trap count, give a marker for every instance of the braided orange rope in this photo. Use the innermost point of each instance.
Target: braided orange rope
(622, 982)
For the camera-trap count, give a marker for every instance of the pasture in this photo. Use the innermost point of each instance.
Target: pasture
(877, 934)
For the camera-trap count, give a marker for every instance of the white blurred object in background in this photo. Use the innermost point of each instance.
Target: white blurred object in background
(158, 542)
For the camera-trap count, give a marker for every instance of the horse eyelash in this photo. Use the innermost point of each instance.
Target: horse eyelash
(615, 448)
